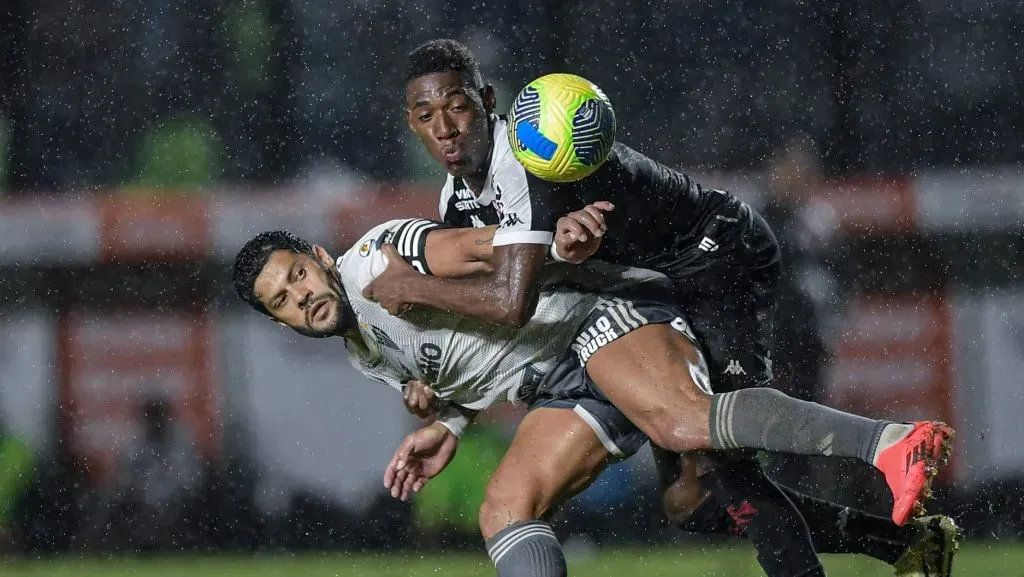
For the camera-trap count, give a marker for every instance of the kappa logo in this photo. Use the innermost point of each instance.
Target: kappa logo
(511, 219)
(734, 368)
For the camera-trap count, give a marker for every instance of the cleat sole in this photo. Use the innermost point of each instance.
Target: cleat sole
(932, 467)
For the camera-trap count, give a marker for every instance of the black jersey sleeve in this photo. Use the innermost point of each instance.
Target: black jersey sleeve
(410, 239)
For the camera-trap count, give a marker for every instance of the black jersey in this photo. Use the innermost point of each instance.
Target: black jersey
(460, 209)
(661, 217)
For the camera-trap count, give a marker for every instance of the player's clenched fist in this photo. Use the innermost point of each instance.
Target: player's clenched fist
(419, 399)
(386, 289)
(578, 234)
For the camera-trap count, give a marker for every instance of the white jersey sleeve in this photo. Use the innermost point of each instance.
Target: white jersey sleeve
(527, 211)
(409, 236)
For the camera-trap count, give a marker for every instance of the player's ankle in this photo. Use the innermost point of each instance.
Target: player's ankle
(890, 434)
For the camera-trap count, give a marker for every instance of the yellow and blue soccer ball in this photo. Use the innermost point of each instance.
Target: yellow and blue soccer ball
(561, 127)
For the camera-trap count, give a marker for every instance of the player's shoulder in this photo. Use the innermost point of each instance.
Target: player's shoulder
(364, 261)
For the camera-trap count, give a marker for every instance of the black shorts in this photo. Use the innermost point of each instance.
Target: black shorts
(568, 386)
(727, 287)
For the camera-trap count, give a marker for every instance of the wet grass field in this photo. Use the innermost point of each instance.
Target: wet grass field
(979, 559)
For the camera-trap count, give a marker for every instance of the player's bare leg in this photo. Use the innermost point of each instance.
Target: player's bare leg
(553, 456)
(647, 375)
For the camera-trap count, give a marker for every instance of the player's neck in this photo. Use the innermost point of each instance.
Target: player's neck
(475, 182)
(478, 179)
(348, 328)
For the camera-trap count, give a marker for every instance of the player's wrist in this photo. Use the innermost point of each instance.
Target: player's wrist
(555, 255)
(453, 420)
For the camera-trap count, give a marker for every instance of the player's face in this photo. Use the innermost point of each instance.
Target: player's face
(302, 292)
(450, 117)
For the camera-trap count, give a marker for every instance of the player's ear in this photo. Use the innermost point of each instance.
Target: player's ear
(322, 256)
(408, 120)
(490, 100)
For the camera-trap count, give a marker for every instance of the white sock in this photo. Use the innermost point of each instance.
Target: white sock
(892, 433)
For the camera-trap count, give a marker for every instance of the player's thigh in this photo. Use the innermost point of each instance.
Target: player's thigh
(554, 455)
(655, 375)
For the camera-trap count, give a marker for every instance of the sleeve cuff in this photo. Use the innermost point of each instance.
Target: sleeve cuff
(502, 238)
(453, 420)
(554, 253)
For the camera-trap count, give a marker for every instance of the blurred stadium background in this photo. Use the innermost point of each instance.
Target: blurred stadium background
(144, 412)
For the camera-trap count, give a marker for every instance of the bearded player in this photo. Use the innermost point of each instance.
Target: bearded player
(551, 363)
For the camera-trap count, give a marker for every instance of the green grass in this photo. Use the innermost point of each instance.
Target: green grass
(978, 559)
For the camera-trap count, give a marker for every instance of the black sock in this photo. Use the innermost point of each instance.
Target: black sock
(769, 519)
(833, 528)
(838, 529)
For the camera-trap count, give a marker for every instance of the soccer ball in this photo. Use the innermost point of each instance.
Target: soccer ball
(561, 127)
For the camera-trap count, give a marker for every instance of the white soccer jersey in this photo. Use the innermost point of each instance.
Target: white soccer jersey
(505, 199)
(468, 362)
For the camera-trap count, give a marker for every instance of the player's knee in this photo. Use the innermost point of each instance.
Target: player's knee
(677, 428)
(679, 502)
(509, 501)
(674, 435)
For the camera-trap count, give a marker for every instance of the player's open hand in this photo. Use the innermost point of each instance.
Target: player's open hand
(421, 456)
(419, 399)
(578, 234)
(388, 287)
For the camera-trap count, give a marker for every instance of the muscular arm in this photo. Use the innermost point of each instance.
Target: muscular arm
(529, 211)
(459, 252)
(507, 296)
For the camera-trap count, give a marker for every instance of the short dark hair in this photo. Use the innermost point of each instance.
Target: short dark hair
(443, 55)
(254, 256)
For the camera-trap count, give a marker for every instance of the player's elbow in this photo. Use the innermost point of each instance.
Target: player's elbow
(519, 309)
(515, 319)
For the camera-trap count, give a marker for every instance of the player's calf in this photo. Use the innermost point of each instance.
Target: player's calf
(554, 455)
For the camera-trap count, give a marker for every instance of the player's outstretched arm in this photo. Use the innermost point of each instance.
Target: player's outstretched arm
(507, 296)
(426, 452)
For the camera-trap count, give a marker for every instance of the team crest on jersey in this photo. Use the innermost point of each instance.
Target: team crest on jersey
(364, 249)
